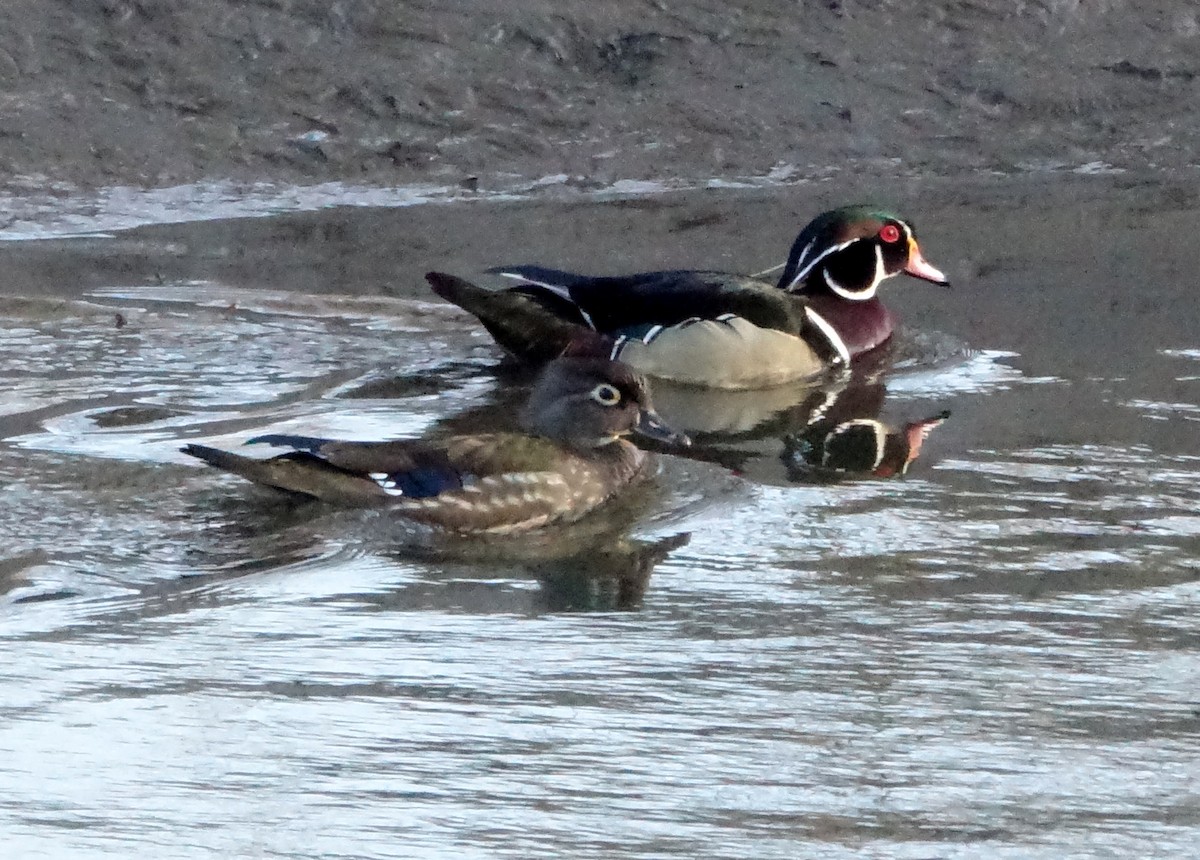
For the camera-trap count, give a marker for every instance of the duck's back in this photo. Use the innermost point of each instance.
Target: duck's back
(513, 483)
(621, 304)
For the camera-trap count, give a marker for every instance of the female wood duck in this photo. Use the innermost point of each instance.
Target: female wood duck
(574, 458)
(716, 329)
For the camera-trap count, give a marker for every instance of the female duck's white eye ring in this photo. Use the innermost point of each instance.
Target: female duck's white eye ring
(606, 395)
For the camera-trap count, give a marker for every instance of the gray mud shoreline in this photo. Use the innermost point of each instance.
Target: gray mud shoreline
(164, 92)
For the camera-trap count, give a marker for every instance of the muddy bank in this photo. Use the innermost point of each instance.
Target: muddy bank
(159, 92)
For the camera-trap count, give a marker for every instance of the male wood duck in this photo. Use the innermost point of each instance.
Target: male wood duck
(861, 445)
(573, 458)
(716, 329)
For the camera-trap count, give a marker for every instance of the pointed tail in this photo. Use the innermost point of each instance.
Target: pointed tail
(298, 472)
(520, 323)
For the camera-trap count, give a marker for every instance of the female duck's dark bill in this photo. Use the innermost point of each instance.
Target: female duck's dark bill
(653, 427)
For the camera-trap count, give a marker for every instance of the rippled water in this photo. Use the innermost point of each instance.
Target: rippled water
(997, 654)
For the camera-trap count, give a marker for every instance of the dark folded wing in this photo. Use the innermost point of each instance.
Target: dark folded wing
(409, 469)
(551, 278)
(297, 472)
(422, 469)
(616, 304)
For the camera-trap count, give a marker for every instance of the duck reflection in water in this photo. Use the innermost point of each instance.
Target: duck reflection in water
(593, 564)
(828, 431)
(604, 571)
(865, 447)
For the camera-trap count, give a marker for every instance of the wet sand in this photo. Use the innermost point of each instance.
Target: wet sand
(161, 92)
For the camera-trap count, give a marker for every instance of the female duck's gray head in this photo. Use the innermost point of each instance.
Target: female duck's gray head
(589, 402)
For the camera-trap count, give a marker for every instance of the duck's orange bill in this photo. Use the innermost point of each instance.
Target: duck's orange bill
(918, 268)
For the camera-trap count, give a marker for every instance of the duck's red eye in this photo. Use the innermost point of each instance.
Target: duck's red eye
(890, 233)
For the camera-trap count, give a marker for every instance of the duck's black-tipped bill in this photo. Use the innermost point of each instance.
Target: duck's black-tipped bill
(653, 427)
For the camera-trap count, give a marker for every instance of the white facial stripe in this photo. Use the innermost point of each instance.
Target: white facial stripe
(803, 270)
(880, 274)
(830, 333)
(853, 295)
(802, 267)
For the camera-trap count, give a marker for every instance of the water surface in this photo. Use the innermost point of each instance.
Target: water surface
(996, 654)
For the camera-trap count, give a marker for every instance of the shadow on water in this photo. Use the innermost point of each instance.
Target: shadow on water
(801, 638)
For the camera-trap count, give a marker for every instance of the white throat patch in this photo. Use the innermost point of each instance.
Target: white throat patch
(850, 295)
(859, 295)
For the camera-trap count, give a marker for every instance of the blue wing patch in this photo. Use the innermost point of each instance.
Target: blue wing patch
(429, 478)
(421, 483)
